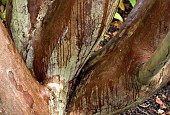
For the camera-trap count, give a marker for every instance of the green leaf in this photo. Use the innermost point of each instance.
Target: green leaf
(118, 16)
(3, 15)
(132, 2)
(3, 2)
(121, 5)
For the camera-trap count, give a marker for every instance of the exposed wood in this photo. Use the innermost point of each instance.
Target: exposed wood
(115, 79)
(20, 92)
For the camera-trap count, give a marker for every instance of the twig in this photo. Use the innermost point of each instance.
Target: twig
(142, 111)
(143, 106)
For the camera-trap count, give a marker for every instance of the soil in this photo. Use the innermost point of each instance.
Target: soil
(158, 104)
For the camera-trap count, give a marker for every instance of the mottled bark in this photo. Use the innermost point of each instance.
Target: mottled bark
(130, 67)
(57, 37)
(66, 31)
(70, 33)
(20, 92)
(20, 27)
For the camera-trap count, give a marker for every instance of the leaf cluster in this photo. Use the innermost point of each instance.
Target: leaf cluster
(122, 7)
(3, 15)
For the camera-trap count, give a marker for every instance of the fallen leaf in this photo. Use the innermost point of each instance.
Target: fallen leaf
(159, 101)
(114, 33)
(163, 106)
(2, 8)
(121, 5)
(118, 17)
(106, 36)
(164, 96)
(168, 113)
(160, 111)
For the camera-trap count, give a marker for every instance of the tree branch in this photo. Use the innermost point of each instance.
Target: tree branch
(20, 92)
(107, 85)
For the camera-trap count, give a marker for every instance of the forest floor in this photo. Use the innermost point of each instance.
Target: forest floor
(158, 104)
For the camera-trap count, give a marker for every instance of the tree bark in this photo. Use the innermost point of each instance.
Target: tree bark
(68, 30)
(59, 36)
(56, 38)
(20, 92)
(130, 67)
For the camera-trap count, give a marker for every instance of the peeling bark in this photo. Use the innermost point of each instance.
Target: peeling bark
(81, 26)
(70, 33)
(119, 76)
(65, 32)
(57, 37)
(62, 36)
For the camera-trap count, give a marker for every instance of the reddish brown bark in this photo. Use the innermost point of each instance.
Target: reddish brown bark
(70, 27)
(109, 84)
(20, 92)
(111, 80)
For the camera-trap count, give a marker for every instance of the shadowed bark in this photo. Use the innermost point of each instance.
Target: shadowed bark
(55, 38)
(131, 67)
(68, 36)
(68, 29)
(59, 35)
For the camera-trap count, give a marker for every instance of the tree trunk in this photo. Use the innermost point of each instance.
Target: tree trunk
(56, 39)
(20, 92)
(66, 31)
(128, 69)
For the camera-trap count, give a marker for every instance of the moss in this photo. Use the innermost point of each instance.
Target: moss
(20, 26)
(20, 23)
